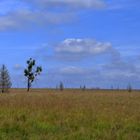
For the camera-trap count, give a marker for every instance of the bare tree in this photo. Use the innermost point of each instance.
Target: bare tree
(5, 82)
(31, 72)
(84, 87)
(61, 86)
(129, 88)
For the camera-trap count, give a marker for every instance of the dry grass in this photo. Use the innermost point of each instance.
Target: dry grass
(69, 115)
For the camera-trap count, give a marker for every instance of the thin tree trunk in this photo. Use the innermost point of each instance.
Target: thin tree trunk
(2, 87)
(28, 86)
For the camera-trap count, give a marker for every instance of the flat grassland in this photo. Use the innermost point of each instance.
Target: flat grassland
(69, 115)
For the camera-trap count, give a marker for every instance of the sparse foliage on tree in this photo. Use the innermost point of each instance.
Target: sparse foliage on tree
(31, 72)
(5, 82)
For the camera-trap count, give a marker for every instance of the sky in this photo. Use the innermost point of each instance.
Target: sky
(78, 42)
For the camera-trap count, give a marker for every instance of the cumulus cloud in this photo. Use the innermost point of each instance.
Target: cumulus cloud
(89, 46)
(80, 48)
(116, 72)
(67, 56)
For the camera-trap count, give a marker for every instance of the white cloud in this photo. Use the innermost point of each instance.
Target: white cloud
(89, 46)
(70, 3)
(72, 70)
(18, 67)
(16, 14)
(81, 48)
(75, 49)
(22, 18)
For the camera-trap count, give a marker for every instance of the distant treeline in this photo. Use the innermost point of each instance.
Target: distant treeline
(31, 72)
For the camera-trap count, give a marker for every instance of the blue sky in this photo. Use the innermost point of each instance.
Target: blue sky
(79, 42)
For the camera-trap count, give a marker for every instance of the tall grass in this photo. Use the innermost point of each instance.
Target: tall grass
(70, 115)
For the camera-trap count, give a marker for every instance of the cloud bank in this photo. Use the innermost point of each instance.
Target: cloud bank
(25, 18)
(40, 13)
(70, 3)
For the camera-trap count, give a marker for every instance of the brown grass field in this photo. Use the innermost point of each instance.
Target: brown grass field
(45, 114)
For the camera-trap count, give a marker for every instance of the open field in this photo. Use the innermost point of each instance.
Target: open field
(70, 115)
